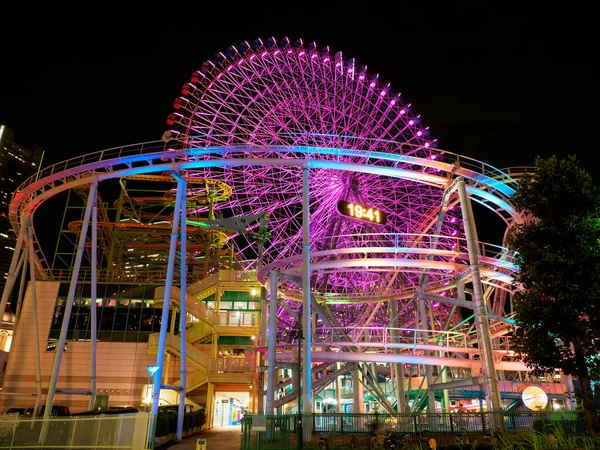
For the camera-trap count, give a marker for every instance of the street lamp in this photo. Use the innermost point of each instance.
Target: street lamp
(149, 397)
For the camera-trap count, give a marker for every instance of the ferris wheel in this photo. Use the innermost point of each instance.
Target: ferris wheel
(284, 100)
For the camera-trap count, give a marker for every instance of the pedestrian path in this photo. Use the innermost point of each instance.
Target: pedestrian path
(221, 438)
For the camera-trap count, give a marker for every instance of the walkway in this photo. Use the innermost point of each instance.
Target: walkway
(222, 438)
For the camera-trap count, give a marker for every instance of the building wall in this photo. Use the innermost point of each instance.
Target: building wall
(121, 367)
(17, 163)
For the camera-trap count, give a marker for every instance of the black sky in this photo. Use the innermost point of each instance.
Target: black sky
(501, 83)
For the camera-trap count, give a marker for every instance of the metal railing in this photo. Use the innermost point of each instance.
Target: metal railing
(280, 432)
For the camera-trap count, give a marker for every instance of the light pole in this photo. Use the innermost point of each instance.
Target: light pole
(151, 372)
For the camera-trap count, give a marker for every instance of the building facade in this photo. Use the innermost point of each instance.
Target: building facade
(17, 163)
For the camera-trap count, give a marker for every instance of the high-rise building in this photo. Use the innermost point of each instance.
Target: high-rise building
(17, 163)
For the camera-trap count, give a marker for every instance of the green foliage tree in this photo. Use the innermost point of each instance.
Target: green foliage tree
(558, 311)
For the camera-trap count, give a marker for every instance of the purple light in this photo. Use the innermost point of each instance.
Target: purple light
(258, 188)
(277, 53)
(264, 54)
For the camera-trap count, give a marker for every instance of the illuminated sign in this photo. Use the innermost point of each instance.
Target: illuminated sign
(365, 213)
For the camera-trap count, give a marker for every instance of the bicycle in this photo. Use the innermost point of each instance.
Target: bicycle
(323, 441)
(380, 441)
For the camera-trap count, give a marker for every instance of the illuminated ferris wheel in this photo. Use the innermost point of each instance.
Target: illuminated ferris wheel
(277, 99)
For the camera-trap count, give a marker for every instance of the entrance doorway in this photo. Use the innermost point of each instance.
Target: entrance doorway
(229, 408)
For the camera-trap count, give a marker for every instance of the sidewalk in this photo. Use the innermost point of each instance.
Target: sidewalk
(222, 438)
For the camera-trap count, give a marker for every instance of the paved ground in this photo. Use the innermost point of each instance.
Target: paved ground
(222, 438)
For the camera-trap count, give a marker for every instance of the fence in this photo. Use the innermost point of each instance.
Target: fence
(127, 431)
(345, 431)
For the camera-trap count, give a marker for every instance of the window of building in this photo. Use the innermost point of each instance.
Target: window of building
(125, 313)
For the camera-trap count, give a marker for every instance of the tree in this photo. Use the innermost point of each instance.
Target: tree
(557, 311)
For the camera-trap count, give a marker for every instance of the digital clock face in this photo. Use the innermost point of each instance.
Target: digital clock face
(361, 212)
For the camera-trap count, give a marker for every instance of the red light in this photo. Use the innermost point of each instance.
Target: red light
(178, 103)
(171, 119)
(195, 77)
(186, 88)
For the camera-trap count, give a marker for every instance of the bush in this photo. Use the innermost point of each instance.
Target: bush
(166, 422)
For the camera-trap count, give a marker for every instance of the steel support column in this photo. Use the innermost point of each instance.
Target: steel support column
(272, 343)
(93, 308)
(162, 340)
(481, 315)
(182, 184)
(60, 345)
(306, 297)
(13, 269)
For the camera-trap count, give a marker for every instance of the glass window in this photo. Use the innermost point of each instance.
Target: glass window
(226, 305)
(121, 317)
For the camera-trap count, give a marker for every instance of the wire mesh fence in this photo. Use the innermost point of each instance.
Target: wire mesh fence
(127, 431)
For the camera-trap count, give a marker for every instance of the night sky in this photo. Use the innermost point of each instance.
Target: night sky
(500, 85)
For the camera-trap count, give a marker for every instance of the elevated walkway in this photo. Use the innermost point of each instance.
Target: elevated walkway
(196, 357)
(210, 321)
(211, 324)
